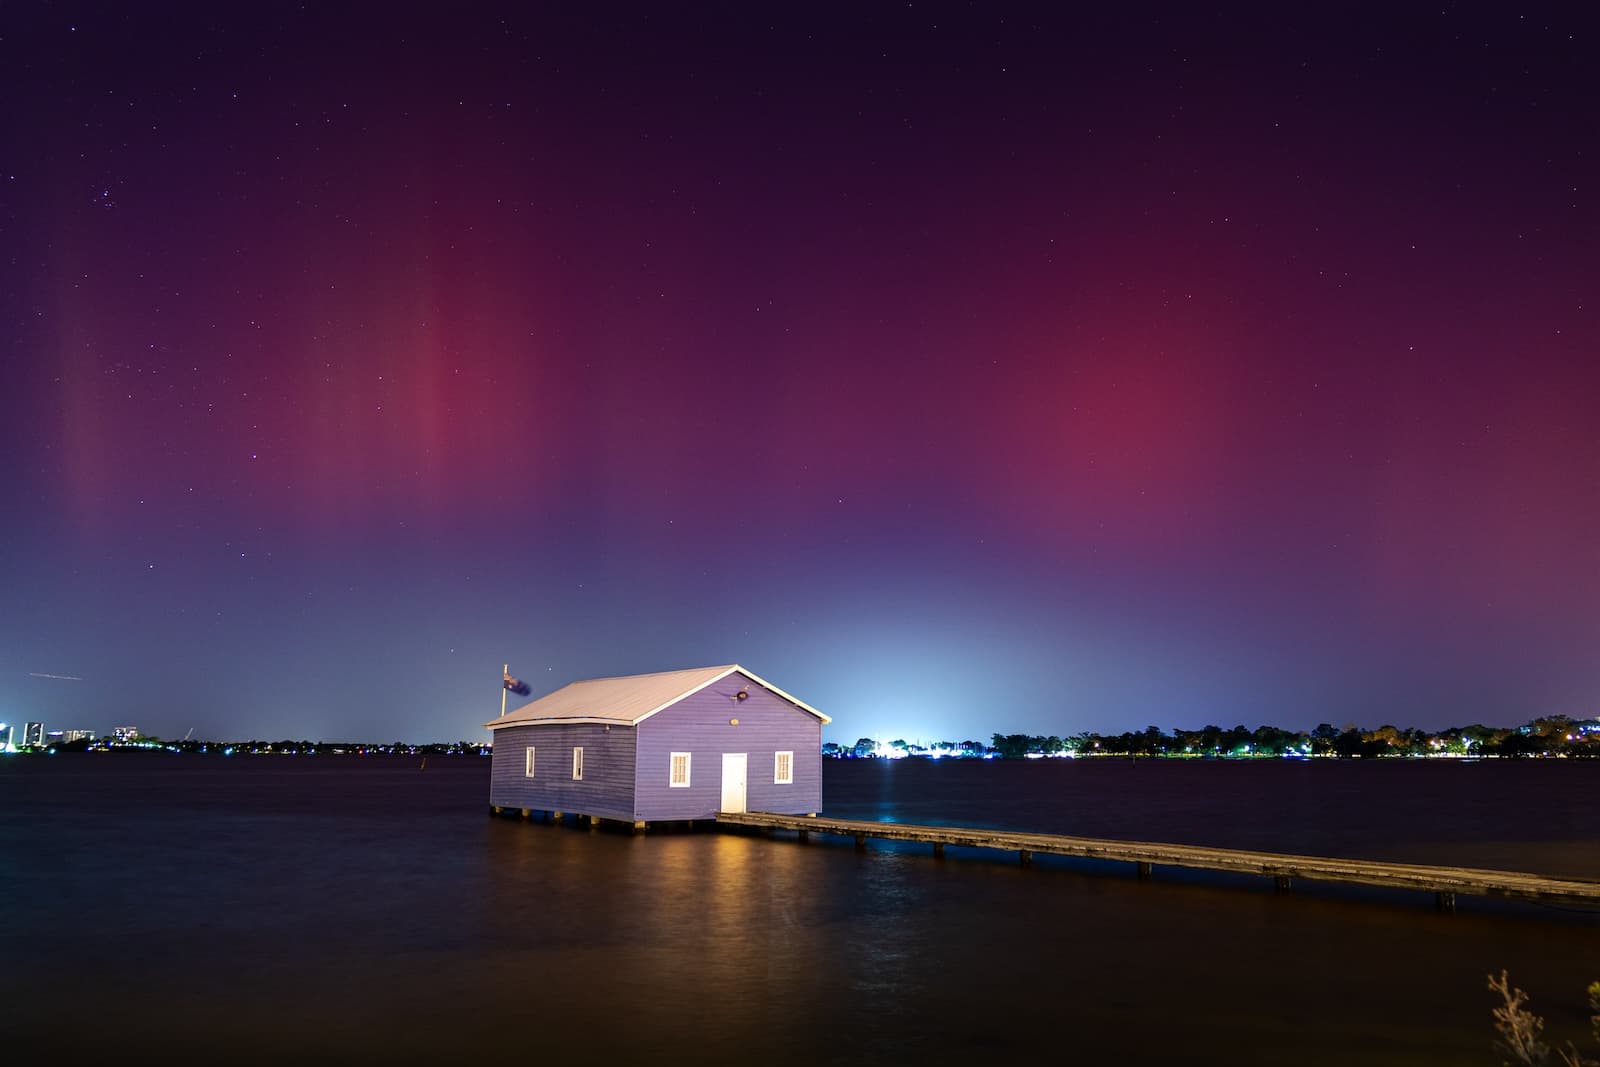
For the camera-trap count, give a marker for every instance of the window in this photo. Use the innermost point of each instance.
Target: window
(679, 778)
(577, 765)
(783, 768)
(527, 770)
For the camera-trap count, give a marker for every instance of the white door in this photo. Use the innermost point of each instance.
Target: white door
(733, 781)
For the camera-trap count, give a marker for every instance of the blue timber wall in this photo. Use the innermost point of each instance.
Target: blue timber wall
(699, 725)
(608, 769)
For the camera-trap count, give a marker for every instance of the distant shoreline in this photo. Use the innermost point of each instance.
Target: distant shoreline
(257, 748)
(1179, 757)
(1555, 736)
(422, 752)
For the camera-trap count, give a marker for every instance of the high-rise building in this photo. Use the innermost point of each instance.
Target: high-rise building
(78, 735)
(125, 733)
(5, 735)
(33, 734)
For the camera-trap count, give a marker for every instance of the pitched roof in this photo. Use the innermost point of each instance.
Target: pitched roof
(631, 699)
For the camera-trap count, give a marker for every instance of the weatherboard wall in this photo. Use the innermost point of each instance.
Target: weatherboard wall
(701, 725)
(606, 789)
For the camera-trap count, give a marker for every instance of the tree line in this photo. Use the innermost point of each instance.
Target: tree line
(1555, 735)
(286, 747)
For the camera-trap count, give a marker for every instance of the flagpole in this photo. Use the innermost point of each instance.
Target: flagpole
(505, 673)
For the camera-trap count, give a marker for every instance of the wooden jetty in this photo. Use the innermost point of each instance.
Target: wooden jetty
(1443, 882)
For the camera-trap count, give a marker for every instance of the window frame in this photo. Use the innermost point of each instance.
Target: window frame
(527, 765)
(672, 764)
(783, 761)
(577, 763)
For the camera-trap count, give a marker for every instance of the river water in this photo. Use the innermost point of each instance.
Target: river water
(343, 909)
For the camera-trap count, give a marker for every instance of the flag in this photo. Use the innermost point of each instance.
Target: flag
(517, 685)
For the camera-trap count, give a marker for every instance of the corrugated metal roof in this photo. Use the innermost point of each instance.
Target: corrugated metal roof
(629, 699)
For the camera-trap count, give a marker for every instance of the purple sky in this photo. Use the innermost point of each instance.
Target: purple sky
(957, 368)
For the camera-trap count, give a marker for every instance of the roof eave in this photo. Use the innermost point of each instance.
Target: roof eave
(791, 698)
(713, 680)
(582, 720)
(735, 668)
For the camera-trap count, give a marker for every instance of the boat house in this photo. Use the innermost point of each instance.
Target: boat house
(662, 747)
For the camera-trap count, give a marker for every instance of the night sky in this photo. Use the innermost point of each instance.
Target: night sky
(957, 368)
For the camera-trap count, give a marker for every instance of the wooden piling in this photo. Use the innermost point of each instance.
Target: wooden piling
(1280, 883)
(1025, 857)
(1144, 870)
(938, 850)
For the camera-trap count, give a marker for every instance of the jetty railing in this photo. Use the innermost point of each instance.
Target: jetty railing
(1443, 882)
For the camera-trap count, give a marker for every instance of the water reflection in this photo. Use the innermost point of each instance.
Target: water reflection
(719, 937)
(375, 915)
